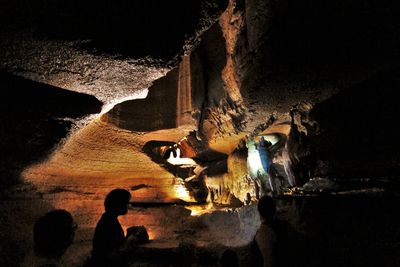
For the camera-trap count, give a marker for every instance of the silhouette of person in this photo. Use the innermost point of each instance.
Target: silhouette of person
(266, 162)
(229, 259)
(53, 233)
(185, 255)
(271, 236)
(109, 239)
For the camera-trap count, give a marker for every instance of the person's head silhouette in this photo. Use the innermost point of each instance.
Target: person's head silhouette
(117, 201)
(229, 259)
(266, 207)
(53, 233)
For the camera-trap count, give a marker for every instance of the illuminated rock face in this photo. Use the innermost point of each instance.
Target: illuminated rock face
(228, 85)
(260, 59)
(202, 92)
(173, 101)
(226, 88)
(157, 111)
(223, 111)
(233, 186)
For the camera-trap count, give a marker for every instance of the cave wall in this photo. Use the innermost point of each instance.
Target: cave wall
(263, 57)
(350, 137)
(35, 118)
(175, 100)
(341, 59)
(259, 58)
(157, 111)
(292, 51)
(202, 91)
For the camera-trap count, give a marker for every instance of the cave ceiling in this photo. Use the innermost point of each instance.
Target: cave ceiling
(224, 69)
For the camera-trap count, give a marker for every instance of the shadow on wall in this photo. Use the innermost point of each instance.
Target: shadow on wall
(357, 133)
(33, 121)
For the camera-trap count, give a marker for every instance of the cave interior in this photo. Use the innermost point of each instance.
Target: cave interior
(198, 108)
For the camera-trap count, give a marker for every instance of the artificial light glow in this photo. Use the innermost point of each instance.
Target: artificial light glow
(178, 160)
(254, 163)
(182, 193)
(273, 138)
(151, 234)
(199, 210)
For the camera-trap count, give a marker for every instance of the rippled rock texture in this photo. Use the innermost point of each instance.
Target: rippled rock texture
(238, 76)
(109, 50)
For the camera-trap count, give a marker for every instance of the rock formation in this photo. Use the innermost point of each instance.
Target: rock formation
(35, 117)
(244, 71)
(346, 140)
(320, 77)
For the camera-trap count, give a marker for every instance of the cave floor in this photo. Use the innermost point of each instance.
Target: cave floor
(328, 230)
(170, 227)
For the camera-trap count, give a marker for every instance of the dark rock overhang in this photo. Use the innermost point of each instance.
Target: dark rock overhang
(35, 117)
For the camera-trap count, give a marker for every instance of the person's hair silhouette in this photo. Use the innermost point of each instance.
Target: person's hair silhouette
(271, 238)
(53, 233)
(266, 208)
(116, 202)
(229, 259)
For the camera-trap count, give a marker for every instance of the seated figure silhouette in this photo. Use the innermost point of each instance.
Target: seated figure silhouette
(109, 240)
(271, 237)
(53, 233)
